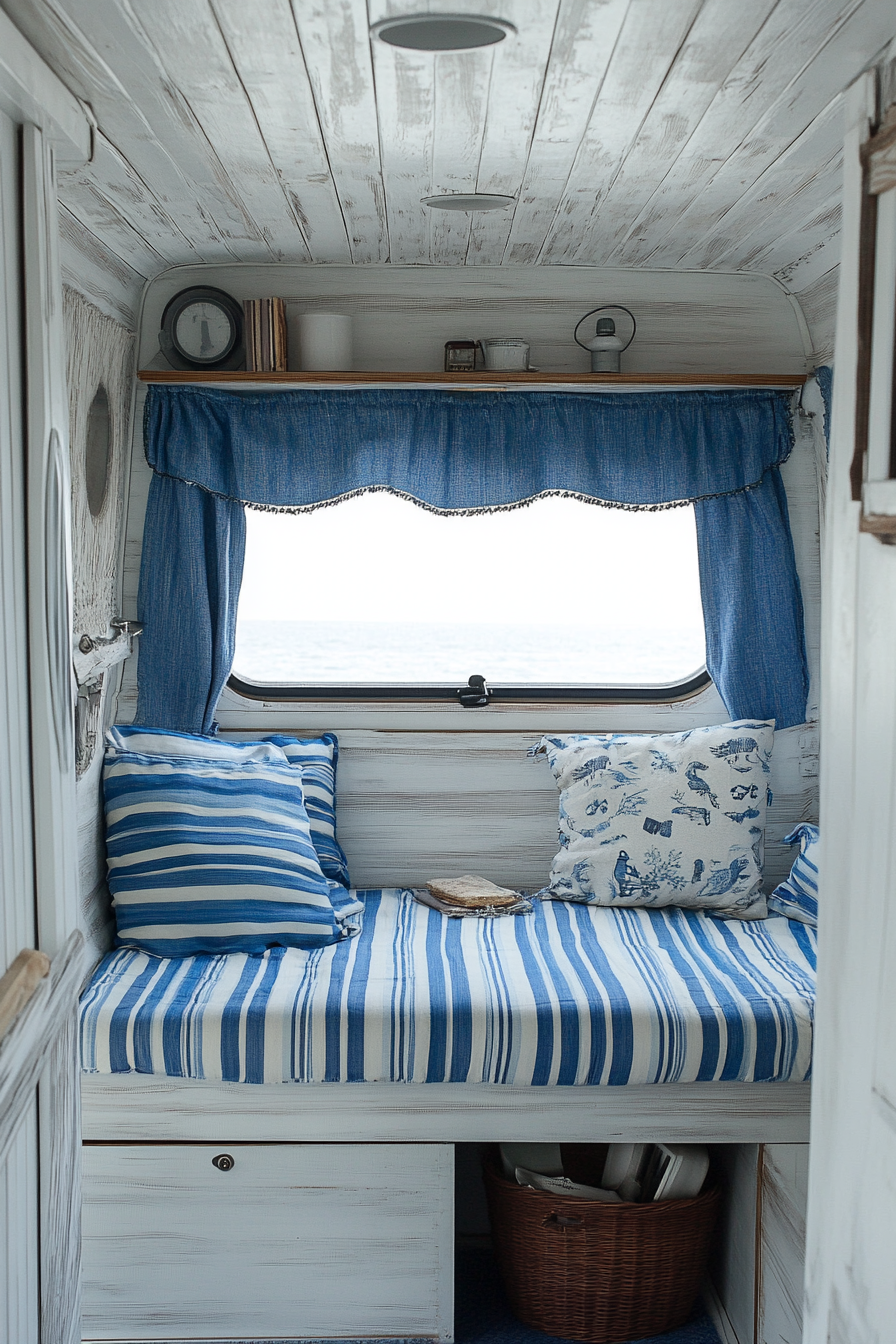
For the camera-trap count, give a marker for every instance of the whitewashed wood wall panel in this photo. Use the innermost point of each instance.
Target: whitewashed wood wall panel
(60, 1120)
(91, 267)
(409, 806)
(783, 1192)
(19, 1243)
(852, 1192)
(412, 806)
(687, 322)
(292, 1241)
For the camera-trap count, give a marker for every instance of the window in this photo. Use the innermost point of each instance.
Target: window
(559, 599)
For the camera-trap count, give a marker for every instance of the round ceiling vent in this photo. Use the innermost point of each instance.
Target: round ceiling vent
(474, 200)
(442, 32)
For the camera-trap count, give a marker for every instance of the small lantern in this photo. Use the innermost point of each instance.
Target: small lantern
(605, 346)
(460, 356)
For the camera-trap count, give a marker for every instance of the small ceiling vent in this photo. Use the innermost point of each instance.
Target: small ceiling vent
(442, 32)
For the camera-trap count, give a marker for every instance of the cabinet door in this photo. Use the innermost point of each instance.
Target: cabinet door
(292, 1241)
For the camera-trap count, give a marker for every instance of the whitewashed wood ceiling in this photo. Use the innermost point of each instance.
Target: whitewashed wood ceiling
(690, 134)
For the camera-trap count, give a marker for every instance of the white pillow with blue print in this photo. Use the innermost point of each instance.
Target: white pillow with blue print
(215, 855)
(797, 897)
(663, 819)
(316, 757)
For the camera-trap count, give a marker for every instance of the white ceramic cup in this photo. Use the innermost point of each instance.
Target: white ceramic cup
(325, 341)
(506, 352)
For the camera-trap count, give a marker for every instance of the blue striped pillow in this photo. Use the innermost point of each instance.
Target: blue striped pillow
(317, 758)
(213, 856)
(797, 897)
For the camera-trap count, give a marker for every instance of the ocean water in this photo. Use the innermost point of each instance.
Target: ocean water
(371, 651)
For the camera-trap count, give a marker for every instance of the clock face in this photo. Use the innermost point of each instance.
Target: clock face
(204, 331)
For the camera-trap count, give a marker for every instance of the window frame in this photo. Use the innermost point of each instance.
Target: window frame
(411, 693)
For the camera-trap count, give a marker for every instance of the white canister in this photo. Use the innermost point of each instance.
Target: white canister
(506, 352)
(325, 341)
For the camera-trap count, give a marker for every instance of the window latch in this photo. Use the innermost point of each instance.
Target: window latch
(476, 693)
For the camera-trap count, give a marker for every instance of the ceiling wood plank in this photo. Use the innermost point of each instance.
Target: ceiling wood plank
(267, 54)
(96, 50)
(335, 40)
(189, 44)
(97, 213)
(647, 47)
(787, 81)
(819, 304)
(598, 208)
(405, 101)
(583, 41)
(795, 184)
(515, 90)
(462, 88)
(111, 177)
(88, 266)
(807, 254)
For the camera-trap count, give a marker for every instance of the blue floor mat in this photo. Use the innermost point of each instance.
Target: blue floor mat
(482, 1315)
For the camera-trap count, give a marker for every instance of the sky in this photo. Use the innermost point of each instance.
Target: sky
(554, 562)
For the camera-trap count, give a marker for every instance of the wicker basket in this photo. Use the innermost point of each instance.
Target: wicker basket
(605, 1273)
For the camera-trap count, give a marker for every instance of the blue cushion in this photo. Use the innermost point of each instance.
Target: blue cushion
(214, 856)
(797, 897)
(316, 757)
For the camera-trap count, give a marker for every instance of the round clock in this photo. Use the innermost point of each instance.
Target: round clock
(202, 328)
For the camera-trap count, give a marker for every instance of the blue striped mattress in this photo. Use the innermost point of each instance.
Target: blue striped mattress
(566, 995)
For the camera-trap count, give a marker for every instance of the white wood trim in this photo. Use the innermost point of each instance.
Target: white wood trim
(19, 1242)
(839, 1080)
(136, 1108)
(59, 1113)
(49, 555)
(30, 92)
(26, 1047)
(719, 1316)
(883, 338)
(783, 1179)
(879, 498)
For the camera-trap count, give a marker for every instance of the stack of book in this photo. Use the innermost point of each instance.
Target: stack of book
(265, 335)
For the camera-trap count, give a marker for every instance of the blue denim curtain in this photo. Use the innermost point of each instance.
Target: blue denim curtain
(211, 451)
(193, 548)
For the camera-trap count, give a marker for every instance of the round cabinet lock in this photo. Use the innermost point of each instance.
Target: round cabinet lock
(224, 1162)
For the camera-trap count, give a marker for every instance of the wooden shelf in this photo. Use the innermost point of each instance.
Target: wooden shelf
(479, 379)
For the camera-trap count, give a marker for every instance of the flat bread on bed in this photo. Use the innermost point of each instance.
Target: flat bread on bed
(471, 892)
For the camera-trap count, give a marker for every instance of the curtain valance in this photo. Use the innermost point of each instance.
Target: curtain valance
(213, 451)
(459, 451)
